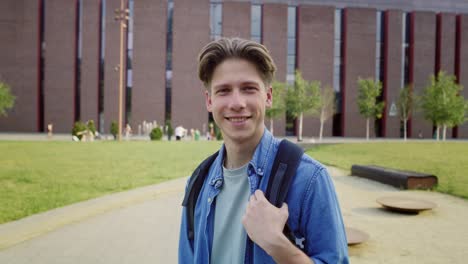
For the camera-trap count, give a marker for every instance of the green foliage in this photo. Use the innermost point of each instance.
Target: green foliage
(405, 103)
(156, 134)
(114, 129)
(7, 99)
(91, 126)
(369, 91)
(278, 107)
(77, 128)
(442, 102)
(303, 97)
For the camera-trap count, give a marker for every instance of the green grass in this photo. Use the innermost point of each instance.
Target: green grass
(39, 176)
(447, 160)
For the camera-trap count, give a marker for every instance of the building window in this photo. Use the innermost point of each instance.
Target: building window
(216, 20)
(291, 60)
(406, 49)
(379, 66)
(42, 50)
(256, 23)
(168, 103)
(379, 49)
(102, 51)
(78, 57)
(128, 89)
(338, 66)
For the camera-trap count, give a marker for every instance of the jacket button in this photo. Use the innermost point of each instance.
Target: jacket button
(209, 200)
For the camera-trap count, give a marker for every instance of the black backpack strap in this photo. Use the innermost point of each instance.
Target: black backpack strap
(193, 190)
(284, 168)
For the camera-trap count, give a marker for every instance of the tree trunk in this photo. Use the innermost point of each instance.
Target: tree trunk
(437, 133)
(299, 134)
(444, 132)
(367, 129)
(271, 126)
(405, 129)
(321, 130)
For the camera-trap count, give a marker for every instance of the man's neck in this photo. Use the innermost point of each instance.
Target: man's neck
(239, 153)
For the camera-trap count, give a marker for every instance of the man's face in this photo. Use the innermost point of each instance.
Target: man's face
(238, 99)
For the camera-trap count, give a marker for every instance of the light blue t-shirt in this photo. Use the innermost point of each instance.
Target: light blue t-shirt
(229, 236)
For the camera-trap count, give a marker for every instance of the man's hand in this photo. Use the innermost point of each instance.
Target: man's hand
(264, 223)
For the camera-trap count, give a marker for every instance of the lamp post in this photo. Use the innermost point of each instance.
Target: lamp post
(121, 15)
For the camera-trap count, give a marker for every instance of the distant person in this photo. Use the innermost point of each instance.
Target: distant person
(233, 221)
(179, 132)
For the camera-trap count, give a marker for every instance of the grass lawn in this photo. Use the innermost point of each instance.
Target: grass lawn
(38, 176)
(447, 160)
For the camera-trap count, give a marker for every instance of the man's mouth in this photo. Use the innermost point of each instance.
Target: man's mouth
(238, 119)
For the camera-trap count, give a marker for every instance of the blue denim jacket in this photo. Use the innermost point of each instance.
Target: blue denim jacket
(314, 213)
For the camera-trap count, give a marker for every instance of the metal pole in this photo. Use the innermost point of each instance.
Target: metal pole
(121, 68)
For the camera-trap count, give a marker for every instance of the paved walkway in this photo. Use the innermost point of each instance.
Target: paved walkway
(138, 226)
(142, 226)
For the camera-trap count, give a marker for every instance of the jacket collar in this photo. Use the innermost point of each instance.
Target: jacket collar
(258, 163)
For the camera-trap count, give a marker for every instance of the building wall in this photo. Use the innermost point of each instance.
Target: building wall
(19, 63)
(275, 35)
(393, 67)
(111, 73)
(59, 80)
(191, 32)
(236, 19)
(149, 62)
(360, 47)
(424, 35)
(90, 61)
(463, 129)
(315, 55)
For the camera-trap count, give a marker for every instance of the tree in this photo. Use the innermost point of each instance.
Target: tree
(369, 107)
(302, 99)
(278, 106)
(442, 103)
(326, 106)
(7, 99)
(405, 107)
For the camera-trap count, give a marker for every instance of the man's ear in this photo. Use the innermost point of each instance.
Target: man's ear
(269, 100)
(208, 102)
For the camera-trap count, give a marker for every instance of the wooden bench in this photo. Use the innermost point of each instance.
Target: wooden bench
(398, 178)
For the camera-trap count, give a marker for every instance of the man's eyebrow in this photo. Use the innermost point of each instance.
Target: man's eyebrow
(250, 83)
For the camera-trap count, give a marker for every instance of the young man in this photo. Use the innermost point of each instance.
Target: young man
(234, 222)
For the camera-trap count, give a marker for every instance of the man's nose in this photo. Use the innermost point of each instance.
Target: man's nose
(237, 100)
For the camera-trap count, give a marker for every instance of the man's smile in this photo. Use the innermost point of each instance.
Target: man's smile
(237, 119)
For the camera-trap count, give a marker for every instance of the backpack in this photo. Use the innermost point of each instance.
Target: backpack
(284, 168)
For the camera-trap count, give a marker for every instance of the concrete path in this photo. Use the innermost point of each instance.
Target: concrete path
(142, 226)
(139, 226)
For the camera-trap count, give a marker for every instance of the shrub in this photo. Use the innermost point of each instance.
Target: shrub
(91, 127)
(114, 129)
(78, 127)
(156, 134)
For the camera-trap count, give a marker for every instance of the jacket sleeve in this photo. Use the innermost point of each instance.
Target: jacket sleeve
(322, 221)
(185, 246)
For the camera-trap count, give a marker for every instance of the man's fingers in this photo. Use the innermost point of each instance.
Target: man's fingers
(259, 195)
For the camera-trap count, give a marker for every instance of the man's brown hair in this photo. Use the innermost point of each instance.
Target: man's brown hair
(215, 52)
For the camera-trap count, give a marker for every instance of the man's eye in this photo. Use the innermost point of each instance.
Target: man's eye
(250, 88)
(222, 91)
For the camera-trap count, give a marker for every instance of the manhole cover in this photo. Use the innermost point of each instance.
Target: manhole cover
(355, 236)
(406, 205)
